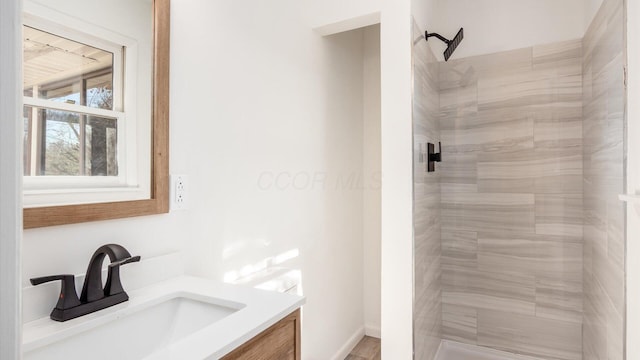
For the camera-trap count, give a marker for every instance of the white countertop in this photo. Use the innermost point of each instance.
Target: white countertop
(260, 310)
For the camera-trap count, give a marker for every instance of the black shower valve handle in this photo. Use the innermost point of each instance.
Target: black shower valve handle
(436, 156)
(433, 156)
(68, 297)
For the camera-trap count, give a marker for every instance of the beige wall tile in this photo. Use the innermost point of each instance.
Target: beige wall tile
(459, 249)
(559, 214)
(531, 231)
(459, 323)
(603, 130)
(530, 255)
(509, 292)
(530, 335)
(511, 203)
(427, 243)
(559, 299)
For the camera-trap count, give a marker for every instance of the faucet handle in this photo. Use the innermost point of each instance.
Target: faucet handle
(113, 285)
(125, 261)
(68, 297)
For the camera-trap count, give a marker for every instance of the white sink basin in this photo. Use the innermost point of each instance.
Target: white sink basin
(139, 334)
(182, 318)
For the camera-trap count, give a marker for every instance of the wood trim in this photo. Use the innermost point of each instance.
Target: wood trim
(159, 201)
(298, 340)
(260, 346)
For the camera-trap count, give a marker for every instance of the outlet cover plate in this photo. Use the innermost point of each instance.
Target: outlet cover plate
(179, 192)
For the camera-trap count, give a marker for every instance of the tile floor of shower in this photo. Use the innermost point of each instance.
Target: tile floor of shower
(369, 349)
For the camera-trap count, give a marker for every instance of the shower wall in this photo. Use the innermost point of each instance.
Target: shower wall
(604, 240)
(511, 203)
(427, 308)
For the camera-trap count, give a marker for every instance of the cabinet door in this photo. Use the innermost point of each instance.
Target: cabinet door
(279, 342)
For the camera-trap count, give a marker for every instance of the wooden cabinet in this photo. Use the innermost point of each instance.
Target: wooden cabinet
(279, 342)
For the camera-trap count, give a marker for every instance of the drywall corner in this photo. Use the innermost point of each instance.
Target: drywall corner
(349, 24)
(10, 178)
(396, 196)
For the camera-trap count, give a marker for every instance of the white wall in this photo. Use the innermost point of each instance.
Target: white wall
(397, 216)
(255, 92)
(272, 112)
(372, 174)
(10, 179)
(242, 72)
(425, 12)
(333, 16)
(498, 25)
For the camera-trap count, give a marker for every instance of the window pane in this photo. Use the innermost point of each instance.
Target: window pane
(61, 155)
(57, 68)
(102, 145)
(69, 94)
(99, 91)
(70, 144)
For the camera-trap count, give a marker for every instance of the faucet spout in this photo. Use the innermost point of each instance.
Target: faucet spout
(92, 289)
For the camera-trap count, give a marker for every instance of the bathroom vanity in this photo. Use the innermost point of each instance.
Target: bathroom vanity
(280, 341)
(181, 318)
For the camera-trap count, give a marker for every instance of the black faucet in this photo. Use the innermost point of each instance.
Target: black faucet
(94, 296)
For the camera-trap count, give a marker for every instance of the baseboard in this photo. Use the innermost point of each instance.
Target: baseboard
(372, 330)
(345, 349)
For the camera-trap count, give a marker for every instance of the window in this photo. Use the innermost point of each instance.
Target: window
(65, 83)
(79, 139)
(140, 31)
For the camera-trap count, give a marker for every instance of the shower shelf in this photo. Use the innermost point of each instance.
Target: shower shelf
(630, 198)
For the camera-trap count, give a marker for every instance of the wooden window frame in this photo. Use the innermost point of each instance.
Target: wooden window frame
(158, 203)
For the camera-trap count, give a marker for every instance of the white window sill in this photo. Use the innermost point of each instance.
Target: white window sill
(60, 197)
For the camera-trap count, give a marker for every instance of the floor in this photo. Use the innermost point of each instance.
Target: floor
(367, 349)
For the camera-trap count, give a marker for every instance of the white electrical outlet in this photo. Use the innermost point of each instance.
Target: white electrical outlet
(179, 192)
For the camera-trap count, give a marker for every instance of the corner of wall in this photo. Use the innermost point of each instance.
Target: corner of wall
(345, 349)
(396, 230)
(10, 179)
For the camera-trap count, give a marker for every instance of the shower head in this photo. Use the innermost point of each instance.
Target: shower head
(451, 44)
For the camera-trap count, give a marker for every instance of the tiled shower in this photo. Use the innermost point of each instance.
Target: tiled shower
(519, 233)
